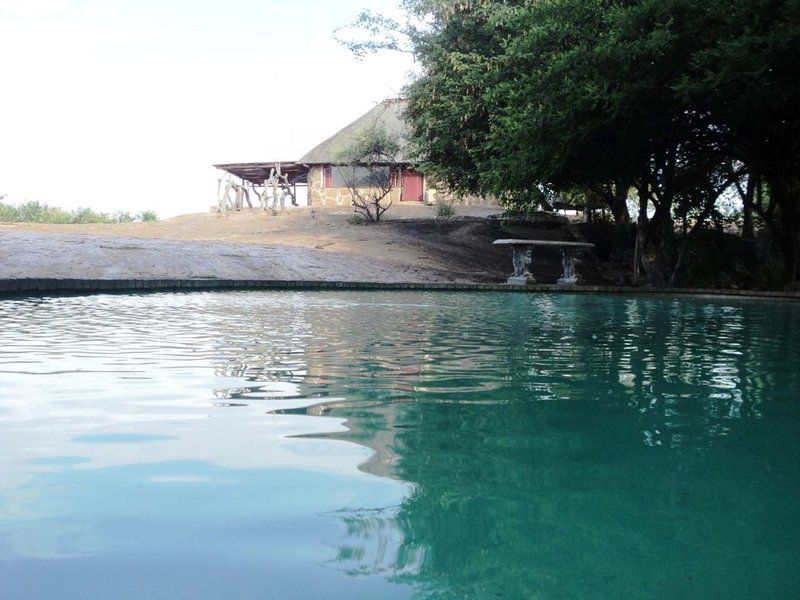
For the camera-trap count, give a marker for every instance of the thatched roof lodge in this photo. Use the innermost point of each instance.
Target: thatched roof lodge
(320, 171)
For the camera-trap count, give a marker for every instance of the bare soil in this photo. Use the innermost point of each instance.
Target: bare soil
(300, 244)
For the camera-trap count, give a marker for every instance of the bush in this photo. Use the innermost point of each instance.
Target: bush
(39, 212)
(444, 210)
(7, 212)
(356, 220)
(370, 183)
(87, 215)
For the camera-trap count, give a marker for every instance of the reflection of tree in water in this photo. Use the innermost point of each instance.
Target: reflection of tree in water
(651, 465)
(554, 445)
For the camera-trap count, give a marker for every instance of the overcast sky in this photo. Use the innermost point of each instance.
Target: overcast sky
(125, 104)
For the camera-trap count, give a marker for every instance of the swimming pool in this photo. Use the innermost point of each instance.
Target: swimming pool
(398, 444)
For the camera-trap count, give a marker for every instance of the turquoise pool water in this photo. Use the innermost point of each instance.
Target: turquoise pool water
(398, 445)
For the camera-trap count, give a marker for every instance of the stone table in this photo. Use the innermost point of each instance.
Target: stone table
(523, 257)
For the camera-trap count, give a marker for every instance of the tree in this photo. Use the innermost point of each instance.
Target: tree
(745, 77)
(677, 99)
(365, 166)
(565, 95)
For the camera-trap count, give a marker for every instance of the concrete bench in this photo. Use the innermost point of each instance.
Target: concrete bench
(523, 257)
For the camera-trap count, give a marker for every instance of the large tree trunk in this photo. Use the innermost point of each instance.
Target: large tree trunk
(654, 258)
(789, 218)
(619, 204)
(747, 208)
(659, 250)
(786, 194)
(617, 201)
(641, 235)
(680, 258)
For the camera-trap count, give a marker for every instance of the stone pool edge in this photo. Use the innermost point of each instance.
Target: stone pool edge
(39, 286)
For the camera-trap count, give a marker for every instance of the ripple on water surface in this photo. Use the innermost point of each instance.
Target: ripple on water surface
(375, 444)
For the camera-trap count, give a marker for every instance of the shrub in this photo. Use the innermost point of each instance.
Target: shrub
(356, 220)
(87, 215)
(366, 175)
(39, 212)
(7, 212)
(444, 210)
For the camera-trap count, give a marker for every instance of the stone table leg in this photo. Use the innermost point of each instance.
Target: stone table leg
(569, 261)
(522, 258)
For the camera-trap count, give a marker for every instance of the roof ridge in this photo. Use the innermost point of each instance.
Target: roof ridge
(388, 113)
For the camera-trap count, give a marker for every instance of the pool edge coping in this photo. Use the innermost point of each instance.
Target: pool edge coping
(44, 286)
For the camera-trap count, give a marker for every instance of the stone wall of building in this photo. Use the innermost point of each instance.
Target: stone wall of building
(319, 195)
(442, 194)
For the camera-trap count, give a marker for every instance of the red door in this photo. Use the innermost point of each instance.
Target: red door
(412, 186)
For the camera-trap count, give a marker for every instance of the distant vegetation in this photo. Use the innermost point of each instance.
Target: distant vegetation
(39, 212)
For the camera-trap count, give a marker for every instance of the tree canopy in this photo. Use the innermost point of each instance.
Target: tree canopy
(676, 101)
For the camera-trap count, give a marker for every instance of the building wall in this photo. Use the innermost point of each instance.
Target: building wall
(439, 193)
(319, 195)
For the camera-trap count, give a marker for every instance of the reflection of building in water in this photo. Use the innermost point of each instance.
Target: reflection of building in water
(652, 355)
(533, 430)
(545, 441)
(378, 434)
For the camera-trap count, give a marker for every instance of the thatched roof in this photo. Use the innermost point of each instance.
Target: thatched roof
(387, 114)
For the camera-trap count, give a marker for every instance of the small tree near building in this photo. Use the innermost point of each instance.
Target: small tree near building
(366, 170)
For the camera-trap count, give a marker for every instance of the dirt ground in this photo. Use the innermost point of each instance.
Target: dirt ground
(300, 244)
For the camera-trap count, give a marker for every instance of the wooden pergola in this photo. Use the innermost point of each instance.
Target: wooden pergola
(257, 173)
(281, 177)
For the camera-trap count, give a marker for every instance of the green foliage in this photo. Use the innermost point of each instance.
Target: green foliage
(355, 220)
(679, 100)
(373, 145)
(87, 215)
(372, 32)
(444, 209)
(7, 213)
(39, 212)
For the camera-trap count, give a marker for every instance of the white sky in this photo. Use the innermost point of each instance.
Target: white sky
(125, 104)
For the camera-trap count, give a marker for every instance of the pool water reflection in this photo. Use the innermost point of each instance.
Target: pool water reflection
(324, 444)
